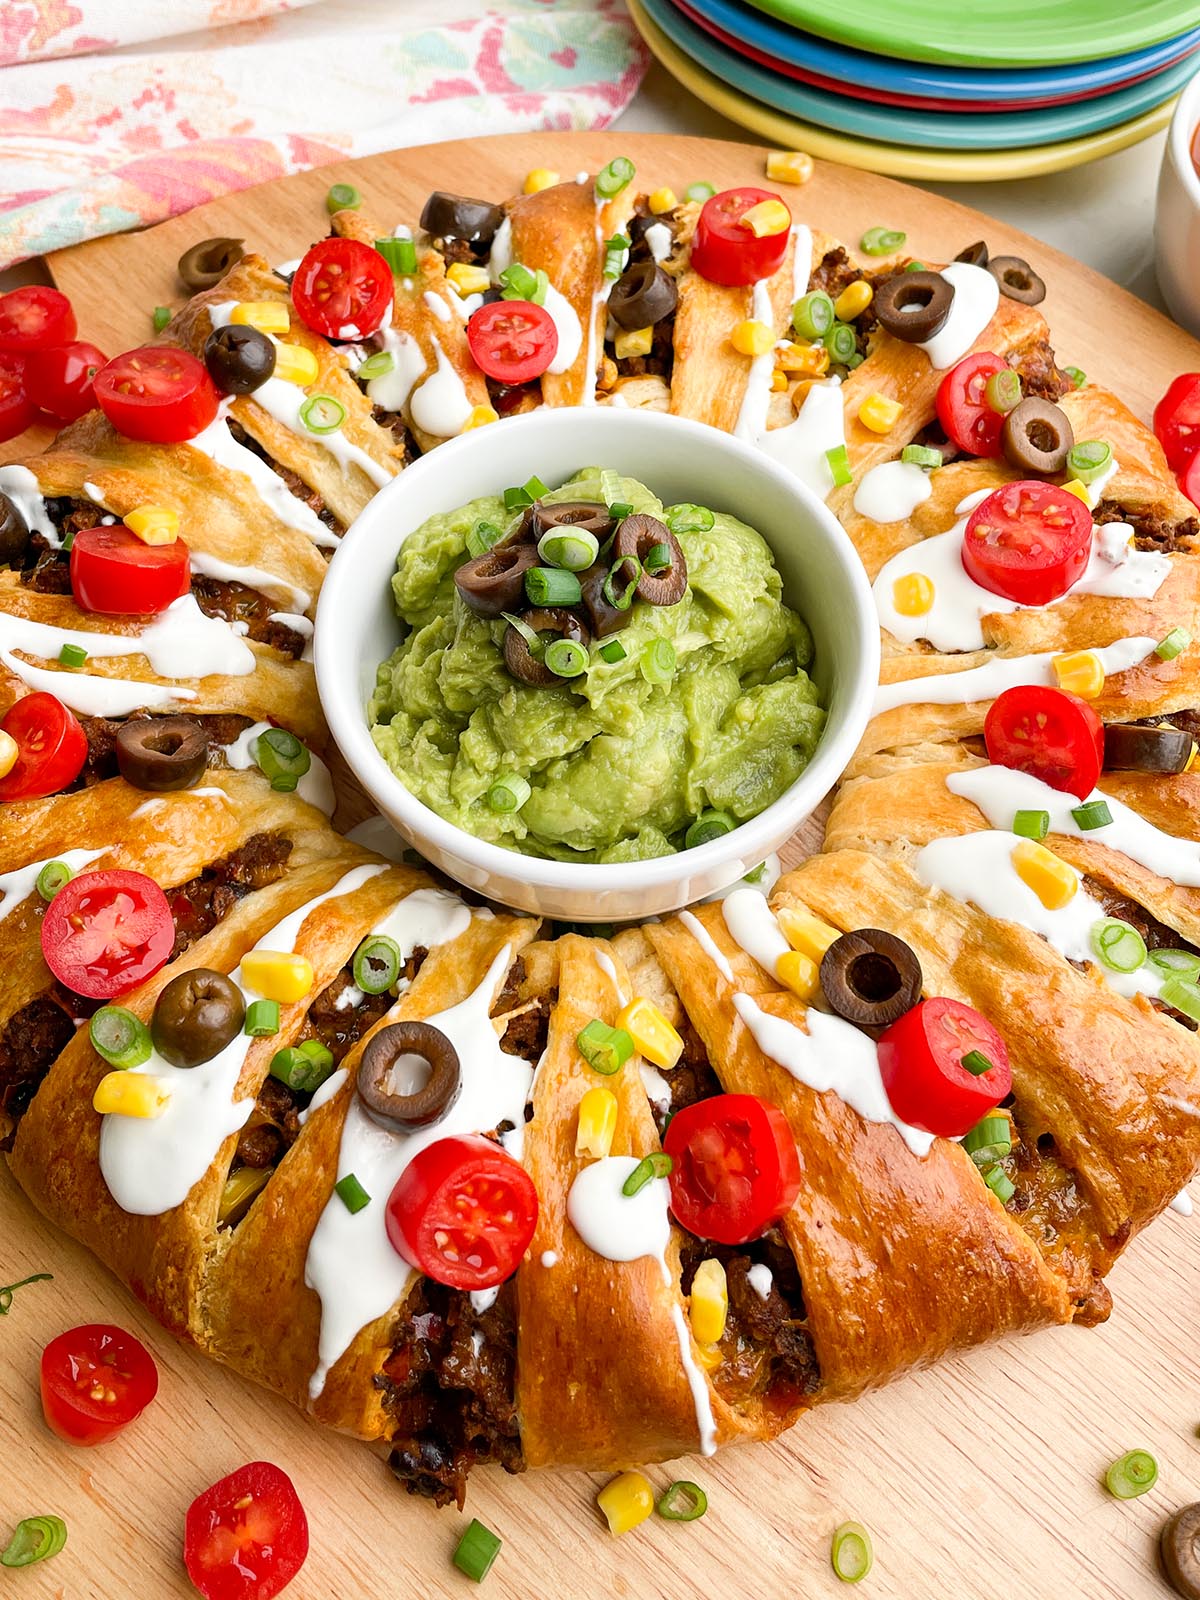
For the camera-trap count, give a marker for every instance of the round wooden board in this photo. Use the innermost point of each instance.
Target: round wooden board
(977, 1479)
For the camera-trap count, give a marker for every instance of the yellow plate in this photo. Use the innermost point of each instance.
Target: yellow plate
(898, 161)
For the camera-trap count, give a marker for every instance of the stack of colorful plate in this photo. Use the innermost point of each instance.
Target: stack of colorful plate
(934, 88)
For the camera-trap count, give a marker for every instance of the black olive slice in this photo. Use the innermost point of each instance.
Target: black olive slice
(455, 216)
(975, 255)
(1017, 280)
(1180, 1556)
(913, 306)
(1132, 749)
(518, 658)
(162, 753)
(643, 295)
(637, 536)
(495, 581)
(870, 977)
(603, 616)
(239, 358)
(429, 1101)
(206, 263)
(14, 533)
(1037, 436)
(196, 1016)
(589, 515)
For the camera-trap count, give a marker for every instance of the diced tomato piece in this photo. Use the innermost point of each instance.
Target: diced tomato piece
(96, 1380)
(726, 250)
(114, 573)
(932, 1061)
(735, 1169)
(246, 1537)
(105, 932)
(966, 418)
(51, 747)
(35, 317)
(1049, 733)
(157, 393)
(1028, 541)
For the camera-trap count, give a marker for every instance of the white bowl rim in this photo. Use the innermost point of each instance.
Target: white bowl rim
(348, 722)
(1184, 123)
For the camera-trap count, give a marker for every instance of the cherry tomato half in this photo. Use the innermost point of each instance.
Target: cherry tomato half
(157, 393)
(35, 317)
(246, 1538)
(16, 408)
(735, 1169)
(463, 1212)
(59, 380)
(104, 932)
(342, 289)
(512, 341)
(1049, 733)
(1028, 541)
(96, 1380)
(921, 1061)
(966, 418)
(1177, 420)
(51, 747)
(115, 573)
(725, 250)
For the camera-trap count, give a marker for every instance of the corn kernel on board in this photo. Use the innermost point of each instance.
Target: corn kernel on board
(979, 1477)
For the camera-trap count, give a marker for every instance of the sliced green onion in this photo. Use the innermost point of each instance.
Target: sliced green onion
(303, 1067)
(377, 963)
(119, 1037)
(322, 414)
(709, 825)
(914, 266)
(839, 465)
(682, 1501)
(657, 559)
(1175, 964)
(1175, 642)
(622, 599)
(1088, 459)
(72, 655)
(508, 794)
(612, 651)
(1119, 946)
(535, 488)
(685, 518)
(162, 315)
(1182, 996)
(999, 1182)
(400, 255)
(988, 1141)
(851, 1554)
(376, 366)
(35, 1539)
(813, 315)
(281, 758)
(477, 1549)
(1002, 392)
(565, 658)
(516, 499)
(881, 241)
(855, 361)
(518, 283)
(757, 875)
(352, 1194)
(616, 252)
(68, 541)
(1031, 824)
(621, 509)
(574, 549)
(610, 485)
(52, 877)
(841, 343)
(658, 661)
(1077, 376)
(976, 1063)
(531, 638)
(699, 192)
(551, 586)
(922, 455)
(1132, 1475)
(605, 1049)
(482, 537)
(10, 1289)
(262, 1019)
(342, 197)
(657, 1165)
(617, 175)
(1092, 814)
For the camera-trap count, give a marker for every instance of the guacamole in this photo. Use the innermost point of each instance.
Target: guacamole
(618, 767)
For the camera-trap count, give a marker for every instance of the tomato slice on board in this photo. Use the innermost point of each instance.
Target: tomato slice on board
(17, 410)
(463, 1213)
(1028, 541)
(157, 393)
(104, 932)
(246, 1538)
(725, 250)
(59, 380)
(512, 340)
(1177, 420)
(115, 573)
(35, 317)
(921, 1062)
(342, 289)
(51, 747)
(96, 1380)
(735, 1169)
(1049, 733)
(966, 418)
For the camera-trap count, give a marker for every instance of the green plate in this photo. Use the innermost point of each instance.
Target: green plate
(990, 33)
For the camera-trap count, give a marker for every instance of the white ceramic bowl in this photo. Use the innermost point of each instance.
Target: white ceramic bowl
(357, 628)
(1177, 217)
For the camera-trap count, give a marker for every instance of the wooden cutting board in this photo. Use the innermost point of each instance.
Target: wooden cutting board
(979, 1480)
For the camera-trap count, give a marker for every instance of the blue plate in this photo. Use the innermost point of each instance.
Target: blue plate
(936, 130)
(927, 79)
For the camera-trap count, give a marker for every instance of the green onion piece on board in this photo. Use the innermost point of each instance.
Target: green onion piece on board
(377, 963)
(839, 465)
(565, 658)
(1077, 376)
(35, 1539)
(1118, 945)
(52, 877)
(352, 1194)
(617, 175)
(881, 241)
(657, 1165)
(550, 586)
(72, 655)
(988, 1141)
(1031, 824)
(322, 414)
(851, 1554)
(342, 197)
(482, 537)
(262, 1019)
(1175, 964)
(1183, 996)
(574, 550)
(477, 1550)
(10, 1289)
(616, 253)
(813, 315)
(605, 1049)
(685, 518)
(922, 455)
(976, 1063)
(842, 343)
(612, 650)
(698, 193)
(162, 315)
(281, 758)
(400, 255)
(708, 825)
(622, 597)
(1088, 459)
(376, 366)
(999, 1182)
(1175, 642)
(682, 1501)
(509, 793)
(1132, 1475)
(303, 1067)
(1091, 815)
(658, 661)
(119, 1037)
(1002, 392)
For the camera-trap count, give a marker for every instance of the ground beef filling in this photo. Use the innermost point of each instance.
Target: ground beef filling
(1039, 372)
(1152, 530)
(30, 1041)
(238, 602)
(292, 480)
(834, 272)
(197, 906)
(223, 728)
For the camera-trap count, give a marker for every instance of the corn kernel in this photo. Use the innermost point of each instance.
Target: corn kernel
(626, 1502)
(789, 166)
(709, 1303)
(130, 1094)
(806, 933)
(468, 278)
(635, 342)
(1078, 489)
(480, 417)
(295, 363)
(853, 300)
(277, 974)
(268, 316)
(779, 382)
(752, 338)
(540, 178)
(766, 219)
(879, 413)
(1052, 880)
(597, 1123)
(810, 359)
(153, 524)
(652, 1035)
(1191, 760)
(662, 200)
(912, 595)
(1080, 672)
(9, 751)
(799, 973)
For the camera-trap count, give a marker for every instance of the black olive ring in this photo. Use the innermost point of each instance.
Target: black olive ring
(424, 1106)
(870, 977)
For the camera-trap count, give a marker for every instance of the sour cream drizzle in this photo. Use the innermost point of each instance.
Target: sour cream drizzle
(268, 583)
(180, 643)
(441, 406)
(19, 885)
(316, 786)
(892, 491)
(751, 424)
(218, 443)
(25, 492)
(988, 681)
(570, 332)
(392, 389)
(803, 445)
(976, 296)
(94, 696)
